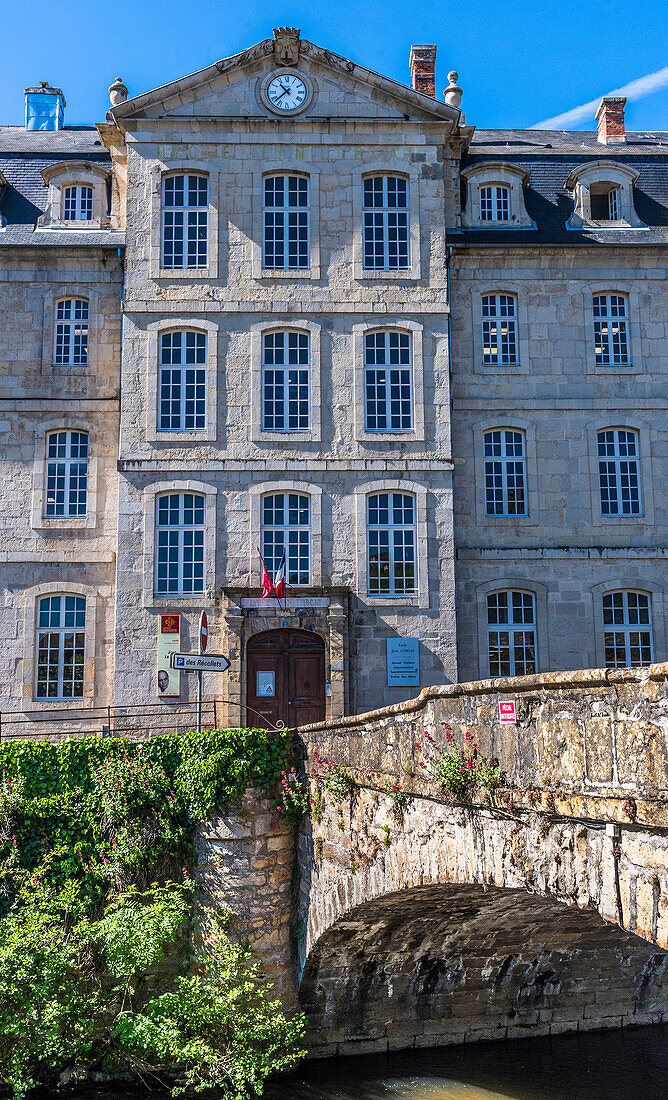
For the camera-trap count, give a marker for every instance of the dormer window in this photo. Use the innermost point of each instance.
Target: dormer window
(77, 204)
(78, 197)
(603, 196)
(495, 196)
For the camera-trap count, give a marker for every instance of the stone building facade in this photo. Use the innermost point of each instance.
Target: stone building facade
(335, 295)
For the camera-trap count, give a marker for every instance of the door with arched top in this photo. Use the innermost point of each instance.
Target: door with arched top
(285, 678)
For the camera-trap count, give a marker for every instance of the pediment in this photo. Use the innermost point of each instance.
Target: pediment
(232, 88)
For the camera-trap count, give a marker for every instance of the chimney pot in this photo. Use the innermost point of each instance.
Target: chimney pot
(610, 118)
(45, 107)
(423, 69)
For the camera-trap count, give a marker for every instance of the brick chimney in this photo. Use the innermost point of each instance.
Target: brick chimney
(423, 69)
(610, 118)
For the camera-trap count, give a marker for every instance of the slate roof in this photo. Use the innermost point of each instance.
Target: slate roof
(23, 155)
(550, 156)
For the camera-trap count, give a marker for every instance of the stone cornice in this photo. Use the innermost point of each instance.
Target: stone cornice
(308, 463)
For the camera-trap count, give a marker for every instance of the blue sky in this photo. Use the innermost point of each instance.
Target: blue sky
(518, 63)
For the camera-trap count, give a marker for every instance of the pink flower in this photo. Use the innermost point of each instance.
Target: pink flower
(14, 840)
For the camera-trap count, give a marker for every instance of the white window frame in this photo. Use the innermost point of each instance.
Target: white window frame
(395, 560)
(61, 631)
(532, 515)
(386, 213)
(198, 367)
(522, 364)
(611, 173)
(79, 198)
(438, 368)
(616, 463)
(290, 537)
(627, 627)
(301, 488)
(288, 166)
(150, 598)
(635, 339)
(604, 330)
(39, 521)
(411, 173)
(512, 628)
(72, 475)
(75, 329)
(504, 460)
(186, 210)
(386, 369)
(75, 175)
(496, 174)
(154, 333)
(494, 203)
(285, 438)
(421, 596)
(285, 369)
(158, 172)
(492, 321)
(303, 237)
(643, 431)
(184, 532)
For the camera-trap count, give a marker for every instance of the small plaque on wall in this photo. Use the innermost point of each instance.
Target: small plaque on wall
(168, 680)
(403, 662)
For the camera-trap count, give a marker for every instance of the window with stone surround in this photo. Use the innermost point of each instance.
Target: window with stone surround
(286, 362)
(505, 473)
(388, 381)
(60, 647)
(494, 203)
(495, 196)
(619, 472)
(286, 530)
(182, 381)
(185, 221)
(611, 337)
(511, 633)
(77, 196)
(391, 544)
(77, 203)
(66, 474)
(285, 220)
(179, 544)
(499, 330)
(386, 223)
(603, 195)
(627, 629)
(70, 343)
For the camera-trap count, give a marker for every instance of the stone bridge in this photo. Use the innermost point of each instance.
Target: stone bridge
(535, 909)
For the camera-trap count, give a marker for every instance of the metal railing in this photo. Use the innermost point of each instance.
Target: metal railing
(139, 719)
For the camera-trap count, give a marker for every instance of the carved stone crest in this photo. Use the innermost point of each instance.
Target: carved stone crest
(286, 45)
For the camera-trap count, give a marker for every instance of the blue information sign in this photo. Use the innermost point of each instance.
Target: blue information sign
(403, 662)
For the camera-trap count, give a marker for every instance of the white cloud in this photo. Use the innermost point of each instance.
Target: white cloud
(637, 89)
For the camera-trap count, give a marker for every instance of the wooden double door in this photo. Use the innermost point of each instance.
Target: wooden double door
(285, 677)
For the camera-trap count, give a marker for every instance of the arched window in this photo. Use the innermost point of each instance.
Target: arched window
(185, 221)
(611, 338)
(286, 360)
(77, 204)
(505, 473)
(388, 382)
(286, 531)
(494, 204)
(60, 642)
(619, 472)
(70, 347)
(180, 544)
(182, 381)
(286, 222)
(511, 633)
(66, 474)
(627, 629)
(499, 330)
(604, 202)
(391, 544)
(386, 223)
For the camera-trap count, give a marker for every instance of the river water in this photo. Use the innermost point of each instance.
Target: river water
(610, 1065)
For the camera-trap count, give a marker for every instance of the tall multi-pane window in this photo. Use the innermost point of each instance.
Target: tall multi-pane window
(499, 330)
(71, 332)
(505, 473)
(60, 642)
(611, 339)
(182, 381)
(285, 381)
(494, 204)
(386, 223)
(627, 629)
(77, 204)
(391, 544)
(66, 478)
(604, 202)
(286, 223)
(185, 221)
(511, 633)
(388, 382)
(619, 472)
(179, 542)
(286, 529)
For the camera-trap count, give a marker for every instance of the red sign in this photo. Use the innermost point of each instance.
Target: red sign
(203, 632)
(507, 711)
(169, 624)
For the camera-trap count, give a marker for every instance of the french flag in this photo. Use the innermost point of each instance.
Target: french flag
(279, 582)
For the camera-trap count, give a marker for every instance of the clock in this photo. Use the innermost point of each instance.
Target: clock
(286, 92)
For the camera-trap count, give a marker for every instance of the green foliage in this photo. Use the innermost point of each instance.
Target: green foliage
(294, 801)
(458, 770)
(333, 778)
(95, 836)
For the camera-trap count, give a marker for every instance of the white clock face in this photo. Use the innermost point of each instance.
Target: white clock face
(286, 92)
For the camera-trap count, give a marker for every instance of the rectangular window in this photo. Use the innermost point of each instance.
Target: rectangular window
(494, 204)
(77, 204)
(71, 333)
(627, 624)
(182, 382)
(61, 623)
(285, 381)
(499, 333)
(180, 544)
(610, 331)
(286, 223)
(66, 474)
(286, 529)
(386, 223)
(391, 545)
(511, 618)
(505, 475)
(388, 382)
(619, 473)
(185, 221)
